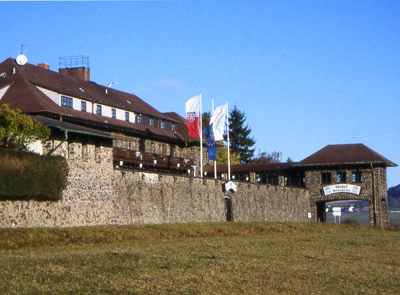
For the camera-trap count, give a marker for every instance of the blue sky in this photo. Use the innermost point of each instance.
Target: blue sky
(306, 73)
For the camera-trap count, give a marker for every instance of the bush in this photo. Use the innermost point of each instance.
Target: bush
(29, 176)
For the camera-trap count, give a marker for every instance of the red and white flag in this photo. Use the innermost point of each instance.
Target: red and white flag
(192, 116)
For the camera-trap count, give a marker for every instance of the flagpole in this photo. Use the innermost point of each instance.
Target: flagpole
(201, 139)
(215, 162)
(229, 154)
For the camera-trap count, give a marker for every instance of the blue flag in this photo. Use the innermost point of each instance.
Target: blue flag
(211, 146)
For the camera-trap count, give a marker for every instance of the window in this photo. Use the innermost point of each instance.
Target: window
(162, 125)
(127, 116)
(341, 177)
(114, 113)
(173, 127)
(83, 106)
(356, 176)
(326, 178)
(139, 119)
(142, 146)
(98, 110)
(151, 122)
(66, 101)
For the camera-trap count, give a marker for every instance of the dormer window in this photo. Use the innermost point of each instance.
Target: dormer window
(114, 113)
(139, 119)
(173, 128)
(66, 101)
(98, 110)
(162, 125)
(151, 122)
(127, 116)
(83, 106)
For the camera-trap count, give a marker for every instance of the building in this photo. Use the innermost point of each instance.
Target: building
(105, 133)
(336, 172)
(347, 172)
(78, 109)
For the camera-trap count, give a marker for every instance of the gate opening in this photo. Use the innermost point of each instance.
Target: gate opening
(347, 211)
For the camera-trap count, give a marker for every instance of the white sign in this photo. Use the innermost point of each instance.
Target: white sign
(230, 186)
(342, 188)
(337, 211)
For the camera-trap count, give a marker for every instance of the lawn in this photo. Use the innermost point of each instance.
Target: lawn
(216, 258)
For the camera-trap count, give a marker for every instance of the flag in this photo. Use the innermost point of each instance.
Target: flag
(211, 146)
(218, 121)
(192, 116)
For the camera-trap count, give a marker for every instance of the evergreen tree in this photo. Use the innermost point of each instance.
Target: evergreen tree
(239, 136)
(205, 119)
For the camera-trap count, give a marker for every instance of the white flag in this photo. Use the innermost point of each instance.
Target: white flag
(218, 121)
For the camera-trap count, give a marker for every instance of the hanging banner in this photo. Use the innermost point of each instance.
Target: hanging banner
(342, 188)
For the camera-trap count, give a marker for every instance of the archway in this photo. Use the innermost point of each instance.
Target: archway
(352, 210)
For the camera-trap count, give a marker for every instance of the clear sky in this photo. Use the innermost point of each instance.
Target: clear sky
(306, 73)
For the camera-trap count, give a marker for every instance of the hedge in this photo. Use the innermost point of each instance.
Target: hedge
(29, 176)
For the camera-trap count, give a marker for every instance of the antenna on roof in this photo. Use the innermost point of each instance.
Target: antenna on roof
(21, 59)
(110, 85)
(22, 49)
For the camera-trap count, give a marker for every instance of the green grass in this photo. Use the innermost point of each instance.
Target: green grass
(219, 258)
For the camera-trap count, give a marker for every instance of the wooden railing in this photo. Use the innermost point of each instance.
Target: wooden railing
(147, 159)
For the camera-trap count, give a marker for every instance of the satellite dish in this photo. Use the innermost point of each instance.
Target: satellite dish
(22, 59)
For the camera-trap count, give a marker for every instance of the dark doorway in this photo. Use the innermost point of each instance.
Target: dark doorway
(228, 208)
(321, 214)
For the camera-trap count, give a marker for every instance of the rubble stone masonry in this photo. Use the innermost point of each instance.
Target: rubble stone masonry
(373, 189)
(100, 194)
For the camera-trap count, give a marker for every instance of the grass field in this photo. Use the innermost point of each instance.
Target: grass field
(219, 258)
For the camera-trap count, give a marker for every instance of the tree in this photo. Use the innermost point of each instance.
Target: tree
(222, 156)
(18, 130)
(263, 157)
(205, 119)
(239, 136)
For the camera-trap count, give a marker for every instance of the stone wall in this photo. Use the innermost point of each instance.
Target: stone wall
(99, 194)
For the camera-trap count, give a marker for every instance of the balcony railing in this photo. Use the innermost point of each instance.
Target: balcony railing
(143, 160)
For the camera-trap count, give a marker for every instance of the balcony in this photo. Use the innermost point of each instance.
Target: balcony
(149, 161)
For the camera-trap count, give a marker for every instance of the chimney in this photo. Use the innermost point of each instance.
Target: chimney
(80, 73)
(75, 66)
(44, 66)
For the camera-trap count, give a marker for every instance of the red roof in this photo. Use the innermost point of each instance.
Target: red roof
(22, 93)
(345, 154)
